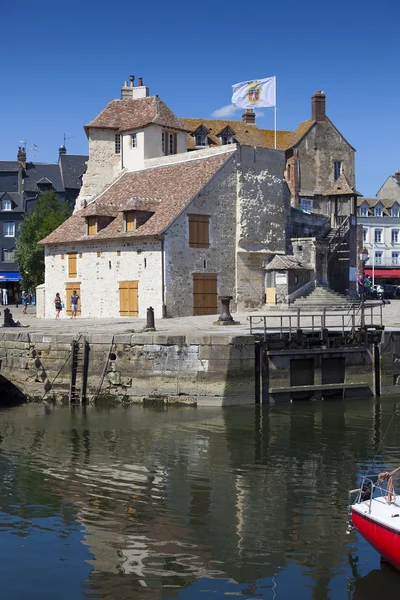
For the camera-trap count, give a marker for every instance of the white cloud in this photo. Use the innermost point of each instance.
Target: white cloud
(224, 111)
(259, 113)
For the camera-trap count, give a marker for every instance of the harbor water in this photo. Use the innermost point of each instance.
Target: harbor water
(155, 503)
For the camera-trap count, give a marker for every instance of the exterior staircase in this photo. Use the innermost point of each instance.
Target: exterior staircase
(338, 242)
(321, 297)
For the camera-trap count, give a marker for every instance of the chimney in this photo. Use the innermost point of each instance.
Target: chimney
(21, 158)
(397, 176)
(130, 92)
(249, 116)
(318, 106)
(62, 150)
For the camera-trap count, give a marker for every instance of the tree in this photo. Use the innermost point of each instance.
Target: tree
(47, 214)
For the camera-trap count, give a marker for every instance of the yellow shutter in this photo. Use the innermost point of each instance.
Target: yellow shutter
(72, 267)
(92, 225)
(199, 231)
(130, 220)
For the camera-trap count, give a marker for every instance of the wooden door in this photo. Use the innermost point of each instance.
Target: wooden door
(69, 290)
(205, 294)
(128, 298)
(271, 295)
(270, 288)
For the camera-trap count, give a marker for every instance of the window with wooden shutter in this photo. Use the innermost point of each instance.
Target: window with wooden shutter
(130, 220)
(72, 268)
(199, 231)
(92, 225)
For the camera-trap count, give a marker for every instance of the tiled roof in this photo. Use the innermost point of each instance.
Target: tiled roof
(166, 190)
(246, 133)
(342, 187)
(124, 115)
(8, 166)
(282, 263)
(99, 210)
(386, 204)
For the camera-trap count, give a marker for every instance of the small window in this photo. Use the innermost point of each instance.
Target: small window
(8, 255)
(363, 211)
(117, 143)
(9, 229)
(365, 233)
(199, 231)
(130, 221)
(91, 225)
(169, 143)
(6, 204)
(378, 236)
(395, 236)
(378, 258)
(227, 139)
(337, 169)
(201, 139)
(172, 143)
(134, 140)
(395, 258)
(378, 211)
(395, 211)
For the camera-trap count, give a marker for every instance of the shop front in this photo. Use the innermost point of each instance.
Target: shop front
(10, 287)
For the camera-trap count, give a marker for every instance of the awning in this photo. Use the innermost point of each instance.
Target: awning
(10, 276)
(388, 273)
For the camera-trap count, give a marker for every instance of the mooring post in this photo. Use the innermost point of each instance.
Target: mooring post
(150, 323)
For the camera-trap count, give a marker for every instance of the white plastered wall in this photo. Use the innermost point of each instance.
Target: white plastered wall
(133, 158)
(99, 276)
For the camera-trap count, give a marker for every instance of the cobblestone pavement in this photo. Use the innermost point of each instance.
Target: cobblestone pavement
(177, 326)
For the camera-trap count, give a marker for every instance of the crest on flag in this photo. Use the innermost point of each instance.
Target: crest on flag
(251, 94)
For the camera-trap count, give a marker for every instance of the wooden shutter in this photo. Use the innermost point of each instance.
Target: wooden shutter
(130, 220)
(72, 267)
(69, 289)
(205, 294)
(199, 231)
(128, 298)
(92, 225)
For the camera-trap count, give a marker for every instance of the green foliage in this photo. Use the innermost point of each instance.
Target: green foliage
(47, 214)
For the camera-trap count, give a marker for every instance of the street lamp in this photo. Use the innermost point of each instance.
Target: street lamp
(363, 259)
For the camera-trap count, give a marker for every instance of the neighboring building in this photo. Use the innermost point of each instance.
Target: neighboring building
(380, 220)
(156, 225)
(20, 184)
(390, 190)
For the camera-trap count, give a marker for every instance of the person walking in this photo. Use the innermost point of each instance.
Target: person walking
(58, 305)
(24, 300)
(74, 304)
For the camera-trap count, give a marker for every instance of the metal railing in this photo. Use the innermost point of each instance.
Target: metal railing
(343, 320)
(339, 236)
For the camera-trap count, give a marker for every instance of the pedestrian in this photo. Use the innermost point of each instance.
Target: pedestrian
(58, 305)
(24, 300)
(74, 304)
(5, 296)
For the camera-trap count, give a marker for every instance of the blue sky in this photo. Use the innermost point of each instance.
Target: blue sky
(61, 63)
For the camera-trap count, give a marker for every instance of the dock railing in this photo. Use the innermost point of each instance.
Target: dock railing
(343, 319)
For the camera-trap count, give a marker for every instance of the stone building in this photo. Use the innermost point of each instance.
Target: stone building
(156, 224)
(390, 190)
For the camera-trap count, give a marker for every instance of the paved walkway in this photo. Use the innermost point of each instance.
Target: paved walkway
(177, 326)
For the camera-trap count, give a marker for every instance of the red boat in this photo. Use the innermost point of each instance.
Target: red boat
(375, 514)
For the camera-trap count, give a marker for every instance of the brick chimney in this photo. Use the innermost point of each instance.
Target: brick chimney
(397, 176)
(130, 92)
(21, 158)
(318, 106)
(249, 116)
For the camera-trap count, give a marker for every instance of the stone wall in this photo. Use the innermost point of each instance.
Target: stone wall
(218, 200)
(101, 265)
(214, 370)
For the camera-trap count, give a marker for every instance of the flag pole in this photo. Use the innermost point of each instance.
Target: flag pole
(275, 116)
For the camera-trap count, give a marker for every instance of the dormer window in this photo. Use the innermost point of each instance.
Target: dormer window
(226, 136)
(395, 210)
(363, 211)
(130, 220)
(117, 143)
(201, 136)
(6, 204)
(91, 223)
(378, 211)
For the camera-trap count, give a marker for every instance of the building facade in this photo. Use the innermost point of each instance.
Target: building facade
(21, 182)
(173, 214)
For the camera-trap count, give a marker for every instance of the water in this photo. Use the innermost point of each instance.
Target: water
(189, 504)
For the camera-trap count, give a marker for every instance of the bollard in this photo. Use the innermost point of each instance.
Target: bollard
(225, 317)
(150, 324)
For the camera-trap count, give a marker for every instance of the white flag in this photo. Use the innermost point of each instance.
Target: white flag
(252, 94)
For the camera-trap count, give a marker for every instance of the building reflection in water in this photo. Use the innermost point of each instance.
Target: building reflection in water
(232, 500)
